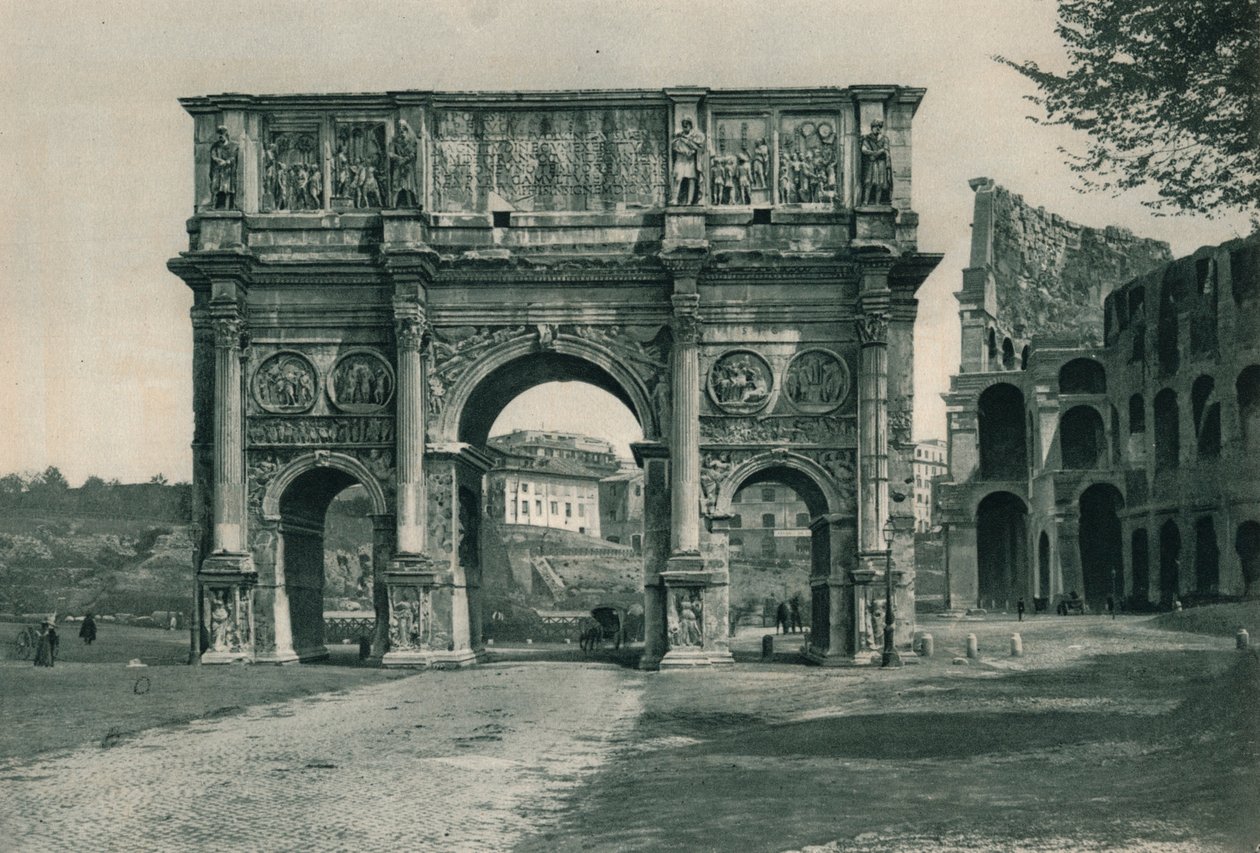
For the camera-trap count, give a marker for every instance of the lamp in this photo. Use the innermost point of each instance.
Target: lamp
(890, 658)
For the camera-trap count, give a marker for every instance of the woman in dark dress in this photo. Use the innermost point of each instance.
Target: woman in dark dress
(87, 632)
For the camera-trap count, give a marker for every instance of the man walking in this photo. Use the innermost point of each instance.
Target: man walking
(1019, 609)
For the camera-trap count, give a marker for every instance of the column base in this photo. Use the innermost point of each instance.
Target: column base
(212, 657)
(690, 658)
(430, 659)
(278, 657)
(817, 657)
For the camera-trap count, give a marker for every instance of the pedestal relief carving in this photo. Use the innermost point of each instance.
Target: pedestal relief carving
(816, 381)
(229, 618)
(686, 618)
(740, 382)
(285, 384)
(361, 382)
(410, 618)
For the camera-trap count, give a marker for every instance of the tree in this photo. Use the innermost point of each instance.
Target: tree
(53, 480)
(158, 479)
(1169, 93)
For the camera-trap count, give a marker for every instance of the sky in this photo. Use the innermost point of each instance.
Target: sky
(96, 161)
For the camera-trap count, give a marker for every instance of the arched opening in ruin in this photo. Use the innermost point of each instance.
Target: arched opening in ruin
(1137, 414)
(1082, 376)
(991, 351)
(1023, 358)
(1043, 568)
(1247, 387)
(1169, 562)
(1207, 417)
(1003, 442)
(1140, 556)
(1001, 549)
(1081, 437)
(1101, 543)
(1167, 431)
(778, 540)
(1207, 557)
(333, 541)
(1008, 354)
(1247, 547)
(554, 528)
(1166, 329)
(1137, 319)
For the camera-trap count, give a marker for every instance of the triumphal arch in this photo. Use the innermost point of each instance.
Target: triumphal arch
(376, 276)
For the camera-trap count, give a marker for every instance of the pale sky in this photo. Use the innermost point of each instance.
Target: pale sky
(96, 162)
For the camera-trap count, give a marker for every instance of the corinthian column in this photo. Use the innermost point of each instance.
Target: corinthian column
(685, 429)
(410, 427)
(872, 327)
(229, 456)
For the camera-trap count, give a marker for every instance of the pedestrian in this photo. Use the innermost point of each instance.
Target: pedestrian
(1019, 609)
(1111, 606)
(46, 651)
(795, 610)
(781, 618)
(174, 623)
(87, 632)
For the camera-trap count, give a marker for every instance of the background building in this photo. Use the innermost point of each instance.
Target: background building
(1108, 444)
(548, 479)
(929, 463)
(769, 521)
(621, 507)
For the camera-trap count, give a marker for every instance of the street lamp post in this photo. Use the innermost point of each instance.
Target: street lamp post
(891, 657)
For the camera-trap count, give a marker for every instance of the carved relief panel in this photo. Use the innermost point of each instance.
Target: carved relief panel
(739, 161)
(286, 383)
(816, 381)
(809, 159)
(740, 382)
(360, 165)
(291, 175)
(361, 382)
(577, 159)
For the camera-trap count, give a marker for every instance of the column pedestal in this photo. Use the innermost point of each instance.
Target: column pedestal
(694, 614)
(412, 636)
(227, 582)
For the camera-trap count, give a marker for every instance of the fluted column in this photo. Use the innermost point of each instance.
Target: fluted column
(872, 327)
(229, 456)
(685, 429)
(410, 428)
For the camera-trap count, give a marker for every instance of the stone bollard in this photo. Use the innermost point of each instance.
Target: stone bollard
(973, 648)
(1242, 639)
(926, 646)
(1017, 646)
(767, 647)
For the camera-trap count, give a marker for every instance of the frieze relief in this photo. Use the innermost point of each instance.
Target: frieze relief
(320, 430)
(832, 430)
(534, 159)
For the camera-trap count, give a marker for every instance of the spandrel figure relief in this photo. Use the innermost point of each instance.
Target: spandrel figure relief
(285, 384)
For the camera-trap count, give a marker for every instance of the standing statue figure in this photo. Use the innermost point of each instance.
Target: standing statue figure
(688, 171)
(760, 164)
(402, 167)
(223, 158)
(876, 166)
(219, 621)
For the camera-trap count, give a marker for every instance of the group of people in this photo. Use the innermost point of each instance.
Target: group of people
(740, 379)
(49, 641)
(787, 616)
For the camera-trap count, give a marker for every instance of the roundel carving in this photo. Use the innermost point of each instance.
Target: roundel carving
(740, 382)
(361, 382)
(816, 381)
(285, 384)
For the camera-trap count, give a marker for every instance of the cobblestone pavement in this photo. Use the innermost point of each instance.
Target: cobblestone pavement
(440, 761)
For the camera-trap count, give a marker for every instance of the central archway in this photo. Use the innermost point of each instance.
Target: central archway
(1101, 544)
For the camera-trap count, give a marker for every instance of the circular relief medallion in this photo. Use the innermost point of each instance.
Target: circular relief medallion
(740, 382)
(285, 384)
(361, 382)
(816, 381)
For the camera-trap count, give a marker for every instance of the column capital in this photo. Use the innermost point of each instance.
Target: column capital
(686, 322)
(229, 328)
(872, 327)
(411, 325)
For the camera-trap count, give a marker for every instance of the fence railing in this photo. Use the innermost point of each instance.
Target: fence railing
(353, 628)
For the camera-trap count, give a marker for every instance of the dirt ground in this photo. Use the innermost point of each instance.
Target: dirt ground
(1105, 735)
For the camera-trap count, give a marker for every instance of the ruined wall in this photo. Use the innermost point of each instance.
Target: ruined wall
(1052, 275)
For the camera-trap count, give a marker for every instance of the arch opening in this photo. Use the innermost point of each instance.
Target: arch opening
(1167, 431)
(1101, 544)
(1207, 558)
(1207, 417)
(1247, 388)
(1140, 557)
(1081, 437)
(1247, 546)
(1001, 549)
(1043, 568)
(1082, 376)
(1003, 442)
(1169, 562)
(328, 556)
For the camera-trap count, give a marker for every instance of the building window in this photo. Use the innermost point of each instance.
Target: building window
(737, 542)
(581, 510)
(538, 507)
(767, 519)
(767, 494)
(524, 487)
(802, 519)
(638, 490)
(568, 510)
(737, 521)
(554, 508)
(524, 507)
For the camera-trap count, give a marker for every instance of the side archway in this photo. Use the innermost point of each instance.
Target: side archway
(1001, 549)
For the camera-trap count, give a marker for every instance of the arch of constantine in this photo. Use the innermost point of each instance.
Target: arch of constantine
(376, 276)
